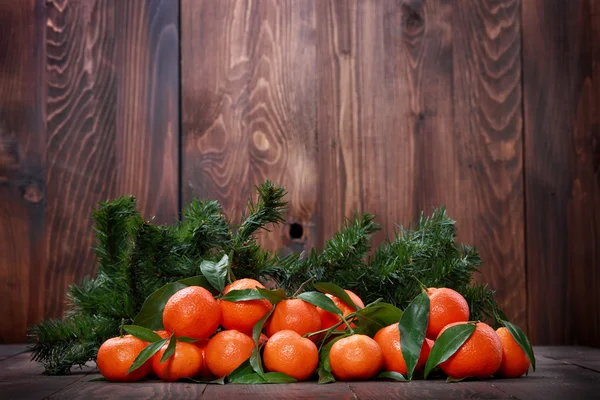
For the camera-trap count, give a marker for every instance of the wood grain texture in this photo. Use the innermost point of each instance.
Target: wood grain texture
(488, 134)
(562, 174)
(113, 123)
(419, 106)
(22, 166)
(248, 103)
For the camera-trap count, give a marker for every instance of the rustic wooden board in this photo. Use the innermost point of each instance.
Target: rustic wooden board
(419, 104)
(11, 350)
(113, 96)
(22, 379)
(554, 378)
(579, 356)
(22, 166)
(486, 40)
(562, 171)
(248, 107)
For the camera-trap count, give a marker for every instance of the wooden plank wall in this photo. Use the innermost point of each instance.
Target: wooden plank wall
(389, 106)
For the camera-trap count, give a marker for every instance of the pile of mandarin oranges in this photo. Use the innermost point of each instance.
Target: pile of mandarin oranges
(292, 337)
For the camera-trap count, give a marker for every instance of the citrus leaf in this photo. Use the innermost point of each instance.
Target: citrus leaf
(243, 295)
(170, 349)
(412, 328)
(244, 369)
(376, 316)
(216, 272)
(220, 381)
(335, 290)
(320, 300)
(274, 296)
(99, 379)
(521, 339)
(454, 380)
(186, 339)
(279, 377)
(325, 377)
(324, 367)
(447, 344)
(255, 360)
(252, 379)
(145, 334)
(397, 376)
(146, 353)
(150, 316)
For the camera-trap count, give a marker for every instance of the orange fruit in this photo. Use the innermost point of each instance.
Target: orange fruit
(204, 371)
(514, 360)
(288, 352)
(243, 315)
(192, 312)
(388, 339)
(296, 315)
(355, 357)
(329, 319)
(116, 356)
(226, 351)
(446, 306)
(186, 362)
(480, 355)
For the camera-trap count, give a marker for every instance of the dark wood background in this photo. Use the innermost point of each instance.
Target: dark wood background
(491, 107)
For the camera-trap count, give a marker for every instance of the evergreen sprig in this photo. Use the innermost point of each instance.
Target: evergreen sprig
(135, 258)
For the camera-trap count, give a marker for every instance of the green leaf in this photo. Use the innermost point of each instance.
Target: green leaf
(240, 372)
(279, 377)
(170, 349)
(324, 367)
(521, 339)
(255, 360)
(412, 328)
(146, 353)
(320, 300)
(447, 344)
(397, 376)
(99, 379)
(243, 295)
(251, 379)
(145, 334)
(335, 290)
(150, 316)
(274, 296)
(216, 272)
(374, 317)
(186, 339)
(220, 381)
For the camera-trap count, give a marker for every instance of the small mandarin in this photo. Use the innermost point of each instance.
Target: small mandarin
(356, 357)
(329, 319)
(514, 360)
(192, 312)
(296, 315)
(289, 353)
(479, 356)
(243, 315)
(388, 339)
(186, 362)
(116, 356)
(446, 306)
(226, 351)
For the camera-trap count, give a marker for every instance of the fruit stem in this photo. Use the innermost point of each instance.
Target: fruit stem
(301, 288)
(121, 327)
(331, 328)
(423, 287)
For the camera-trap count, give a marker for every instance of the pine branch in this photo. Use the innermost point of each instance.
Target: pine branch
(204, 228)
(267, 210)
(60, 344)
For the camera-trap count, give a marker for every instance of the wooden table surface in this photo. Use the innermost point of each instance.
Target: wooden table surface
(563, 372)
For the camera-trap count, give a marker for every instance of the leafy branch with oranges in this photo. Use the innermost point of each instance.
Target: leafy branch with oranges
(192, 299)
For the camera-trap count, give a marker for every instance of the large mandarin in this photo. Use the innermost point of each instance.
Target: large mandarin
(296, 315)
(446, 306)
(192, 312)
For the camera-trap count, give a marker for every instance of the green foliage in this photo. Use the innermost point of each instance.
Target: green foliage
(141, 264)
